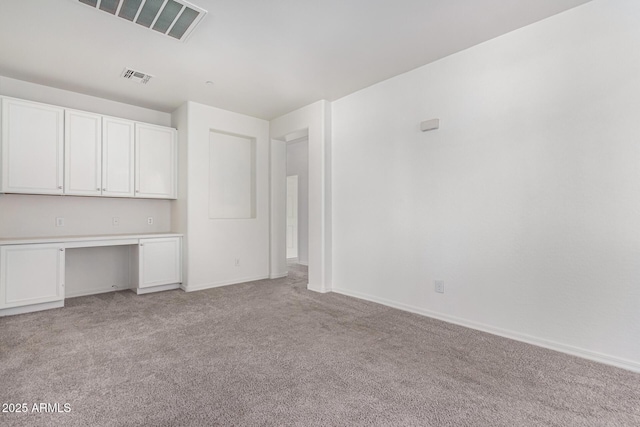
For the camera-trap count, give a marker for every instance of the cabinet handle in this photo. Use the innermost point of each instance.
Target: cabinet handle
(141, 244)
(59, 187)
(98, 189)
(104, 189)
(61, 250)
(137, 191)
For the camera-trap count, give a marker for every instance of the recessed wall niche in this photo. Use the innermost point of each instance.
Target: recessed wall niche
(232, 176)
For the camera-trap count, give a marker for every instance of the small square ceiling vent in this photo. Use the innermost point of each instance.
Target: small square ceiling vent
(174, 18)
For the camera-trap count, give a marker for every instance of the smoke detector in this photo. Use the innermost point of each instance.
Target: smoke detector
(136, 76)
(174, 18)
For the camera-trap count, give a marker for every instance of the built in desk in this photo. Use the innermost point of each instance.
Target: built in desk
(33, 270)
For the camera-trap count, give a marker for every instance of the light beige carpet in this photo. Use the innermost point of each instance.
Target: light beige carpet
(271, 353)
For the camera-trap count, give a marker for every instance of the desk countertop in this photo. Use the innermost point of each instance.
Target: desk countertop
(88, 238)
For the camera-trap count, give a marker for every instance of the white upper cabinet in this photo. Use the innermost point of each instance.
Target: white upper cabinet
(32, 147)
(52, 150)
(82, 153)
(98, 155)
(118, 149)
(156, 161)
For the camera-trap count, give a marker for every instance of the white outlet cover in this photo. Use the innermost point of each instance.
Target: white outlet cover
(59, 222)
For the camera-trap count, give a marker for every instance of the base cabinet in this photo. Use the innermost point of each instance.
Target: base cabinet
(31, 274)
(160, 262)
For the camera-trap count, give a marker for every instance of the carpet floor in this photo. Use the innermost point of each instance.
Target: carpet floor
(271, 353)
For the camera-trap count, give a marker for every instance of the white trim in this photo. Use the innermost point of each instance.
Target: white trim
(220, 284)
(142, 291)
(322, 290)
(31, 308)
(540, 342)
(278, 275)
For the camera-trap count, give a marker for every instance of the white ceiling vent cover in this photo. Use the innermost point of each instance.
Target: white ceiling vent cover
(136, 76)
(174, 18)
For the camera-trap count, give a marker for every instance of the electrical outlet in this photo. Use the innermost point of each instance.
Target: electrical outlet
(439, 286)
(59, 222)
(115, 221)
(237, 262)
(150, 220)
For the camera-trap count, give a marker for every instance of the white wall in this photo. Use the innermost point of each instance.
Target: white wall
(179, 217)
(278, 200)
(297, 164)
(64, 98)
(214, 244)
(34, 215)
(316, 119)
(525, 201)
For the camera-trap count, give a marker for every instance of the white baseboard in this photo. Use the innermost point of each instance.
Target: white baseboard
(142, 291)
(321, 290)
(222, 283)
(278, 275)
(31, 308)
(540, 342)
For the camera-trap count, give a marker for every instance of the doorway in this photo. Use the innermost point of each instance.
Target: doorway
(297, 228)
(292, 219)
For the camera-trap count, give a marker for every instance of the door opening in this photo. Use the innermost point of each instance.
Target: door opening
(292, 218)
(297, 196)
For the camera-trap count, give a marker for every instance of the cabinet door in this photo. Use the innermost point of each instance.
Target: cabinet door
(156, 161)
(31, 274)
(118, 149)
(82, 153)
(160, 261)
(32, 147)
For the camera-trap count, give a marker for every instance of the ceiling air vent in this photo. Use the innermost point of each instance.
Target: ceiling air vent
(174, 18)
(136, 76)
